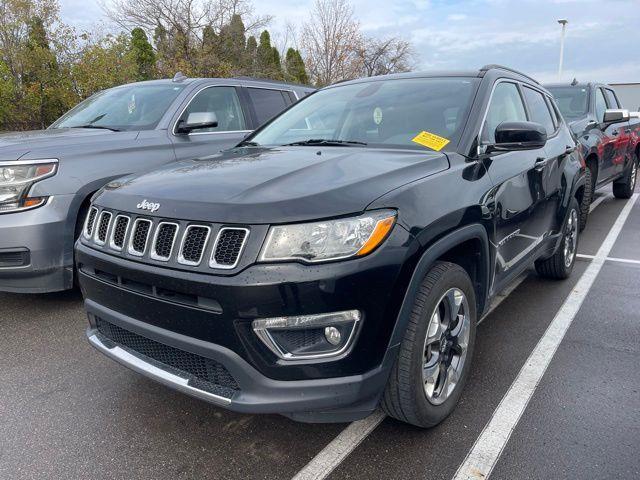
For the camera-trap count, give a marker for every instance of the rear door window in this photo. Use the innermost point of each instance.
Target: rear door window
(539, 110)
(268, 103)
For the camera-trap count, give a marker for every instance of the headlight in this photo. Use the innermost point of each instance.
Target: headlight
(16, 178)
(328, 240)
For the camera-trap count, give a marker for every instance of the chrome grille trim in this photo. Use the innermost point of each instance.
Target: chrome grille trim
(134, 229)
(212, 261)
(112, 243)
(98, 227)
(181, 258)
(154, 254)
(88, 230)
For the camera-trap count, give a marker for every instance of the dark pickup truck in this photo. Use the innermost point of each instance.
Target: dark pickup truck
(609, 138)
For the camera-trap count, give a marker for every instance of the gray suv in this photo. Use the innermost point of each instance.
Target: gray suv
(47, 177)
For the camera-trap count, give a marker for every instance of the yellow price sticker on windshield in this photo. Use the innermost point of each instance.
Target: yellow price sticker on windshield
(431, 140)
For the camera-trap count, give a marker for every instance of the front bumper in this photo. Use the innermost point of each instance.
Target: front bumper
(338, 389)
(44, 237)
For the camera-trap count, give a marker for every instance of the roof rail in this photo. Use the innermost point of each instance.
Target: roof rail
(502, 67)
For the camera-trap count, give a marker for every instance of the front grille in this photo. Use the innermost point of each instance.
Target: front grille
(91, 220)
(193, 243)
(163, 241)
(228, 247)
(203, 373)
(103, 227)
(176, 243)
(119, 232)
(139, 236)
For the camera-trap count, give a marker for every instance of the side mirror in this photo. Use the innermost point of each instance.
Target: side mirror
(616, 115)
(519, 136)
(197, 121)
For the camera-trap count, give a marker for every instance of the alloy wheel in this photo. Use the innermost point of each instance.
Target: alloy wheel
(445, 346)
(634, 173)
(571, 238)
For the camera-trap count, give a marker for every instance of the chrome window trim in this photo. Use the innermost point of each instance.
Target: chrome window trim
(181, 259)
(152, 252)
(175, 124)
(112, 245)
(96, 240)
(130, 249)
(212, 261)
(86, 223)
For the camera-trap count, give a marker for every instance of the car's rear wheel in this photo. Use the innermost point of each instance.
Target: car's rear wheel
(625, 187)
(587, 196)
(560, 265)
(435, 355)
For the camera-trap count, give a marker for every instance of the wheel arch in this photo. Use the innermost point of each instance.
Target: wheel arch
(468, 247)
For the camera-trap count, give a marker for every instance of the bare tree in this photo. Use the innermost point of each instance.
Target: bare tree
(187, 18)
(381, 57)
(330, 42)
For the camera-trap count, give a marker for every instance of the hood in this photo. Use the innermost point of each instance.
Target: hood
(276, 185)
(46, 143)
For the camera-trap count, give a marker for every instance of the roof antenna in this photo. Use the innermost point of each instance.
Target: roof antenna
(574, 83)
(179, 77)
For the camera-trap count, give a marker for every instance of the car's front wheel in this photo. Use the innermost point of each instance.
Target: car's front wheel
(435, 355)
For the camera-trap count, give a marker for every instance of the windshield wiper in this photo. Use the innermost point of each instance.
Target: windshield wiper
(248, 143)
(96, 126)
(325, 142)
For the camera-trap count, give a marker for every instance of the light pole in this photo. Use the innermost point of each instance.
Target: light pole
(562, 22)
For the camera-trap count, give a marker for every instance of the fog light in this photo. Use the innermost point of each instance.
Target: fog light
(332, 334)
(308, 336)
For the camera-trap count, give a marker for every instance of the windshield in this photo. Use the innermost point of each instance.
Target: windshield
(573, 102)
(383, 113)
(130, 107)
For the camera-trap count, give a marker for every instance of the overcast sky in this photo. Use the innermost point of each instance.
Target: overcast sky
(602, 44)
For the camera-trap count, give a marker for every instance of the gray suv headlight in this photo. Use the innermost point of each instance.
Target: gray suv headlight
(335, 239)
(17, 177)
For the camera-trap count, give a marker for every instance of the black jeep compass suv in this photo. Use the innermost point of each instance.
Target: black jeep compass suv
(339, 258)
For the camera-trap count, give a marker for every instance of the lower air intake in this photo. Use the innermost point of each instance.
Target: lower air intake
(203, 373)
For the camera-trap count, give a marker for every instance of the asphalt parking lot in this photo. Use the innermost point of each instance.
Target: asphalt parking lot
(532, 408)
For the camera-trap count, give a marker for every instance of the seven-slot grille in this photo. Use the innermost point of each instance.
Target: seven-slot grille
(165, 240)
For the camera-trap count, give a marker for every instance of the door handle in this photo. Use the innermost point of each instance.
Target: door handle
(627, 130)
(569, 150)
(540, 163)
(615, 133)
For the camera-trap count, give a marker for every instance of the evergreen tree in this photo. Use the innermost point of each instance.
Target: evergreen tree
(232, 42)
(143, 55)
(294, 65)
(268, 58)
(250, 56)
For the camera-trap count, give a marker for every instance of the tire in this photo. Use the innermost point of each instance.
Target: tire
(410, 398)
(624, 188)
(587, 197)
(82, 215)
(560, 265)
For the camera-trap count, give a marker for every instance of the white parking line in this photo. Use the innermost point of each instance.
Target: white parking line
(489, 445)
(610, 259)
(340, 447)
(321, 466)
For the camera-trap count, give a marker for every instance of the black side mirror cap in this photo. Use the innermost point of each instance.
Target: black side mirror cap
(512, 136)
